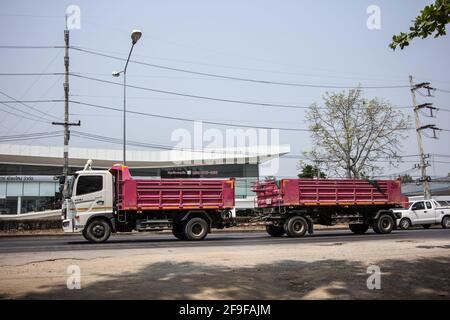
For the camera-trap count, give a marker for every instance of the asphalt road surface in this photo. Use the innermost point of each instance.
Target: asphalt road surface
(413, 264)
(57, 243)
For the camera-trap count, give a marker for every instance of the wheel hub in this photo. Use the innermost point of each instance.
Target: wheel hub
(197, 229)
(385, 224)
(298, 227)
(98, 230)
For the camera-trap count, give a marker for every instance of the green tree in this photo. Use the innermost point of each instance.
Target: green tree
(308, 171)
(406, 178)
(431, 21)
(350, 135)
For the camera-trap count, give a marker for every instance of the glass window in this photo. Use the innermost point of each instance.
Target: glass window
(35, 204)
(31, 189)
(2, 189)
(89, 184)
(428, 204)
(14, 189)
(47, 189)
(418, 206)
(8, 206)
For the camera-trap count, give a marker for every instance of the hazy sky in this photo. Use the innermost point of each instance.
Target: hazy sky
(317, 42)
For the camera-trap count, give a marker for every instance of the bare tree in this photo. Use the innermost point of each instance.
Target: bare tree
(351, 134)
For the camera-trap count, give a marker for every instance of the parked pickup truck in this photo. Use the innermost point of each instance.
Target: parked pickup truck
(424, 213)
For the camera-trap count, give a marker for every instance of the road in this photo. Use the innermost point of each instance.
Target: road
(413, 264)
(70, 243)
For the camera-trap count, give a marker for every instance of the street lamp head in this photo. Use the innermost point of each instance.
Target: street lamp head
(135, 36)
(116, 73)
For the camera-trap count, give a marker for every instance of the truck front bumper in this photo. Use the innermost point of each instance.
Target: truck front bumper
(67, 225)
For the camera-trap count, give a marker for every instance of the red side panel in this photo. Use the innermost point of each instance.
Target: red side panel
(299, 192)
(171, 194)
(129, 196)
(290, 191)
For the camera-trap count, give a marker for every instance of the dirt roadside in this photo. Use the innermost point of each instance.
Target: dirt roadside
(412, 269)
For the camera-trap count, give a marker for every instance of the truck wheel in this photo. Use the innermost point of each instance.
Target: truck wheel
(275, 231)
(296, 227)
(358, 228)
(196, 229)
(178, 232)
(98, 230)
(384, 224)
(426, 226)
(445, 222)
(405, 224)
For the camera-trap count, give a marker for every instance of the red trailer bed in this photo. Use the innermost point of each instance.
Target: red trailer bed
(327, 192)
(171, 194)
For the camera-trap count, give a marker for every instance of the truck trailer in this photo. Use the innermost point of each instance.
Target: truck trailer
(293, 206)
(100, 202)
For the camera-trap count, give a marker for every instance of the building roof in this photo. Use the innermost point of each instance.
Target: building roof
(105, 158)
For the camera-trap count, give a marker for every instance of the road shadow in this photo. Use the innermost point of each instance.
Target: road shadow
(424, 278)
(168, 238)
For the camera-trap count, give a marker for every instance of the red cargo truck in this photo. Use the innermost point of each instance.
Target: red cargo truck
(293, 206)
(105, 201)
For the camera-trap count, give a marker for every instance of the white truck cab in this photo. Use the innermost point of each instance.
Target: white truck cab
(424, 213)
(90, 195)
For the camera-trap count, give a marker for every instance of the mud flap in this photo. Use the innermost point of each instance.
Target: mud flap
(310, 225)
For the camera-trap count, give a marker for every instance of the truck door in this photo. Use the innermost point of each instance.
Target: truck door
(429, 214)
(418, 209)
(89, 194)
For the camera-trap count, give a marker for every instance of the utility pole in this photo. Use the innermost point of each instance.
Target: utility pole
(66, 122)
(425, 179)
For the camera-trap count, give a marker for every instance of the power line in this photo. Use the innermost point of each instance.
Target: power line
(39, 118)
(28, 106)
(195, 96)
(184, 119)
(32, 101)
(80, 75)
(33, 74)
(207, 122)
(29, 135)
(31, 47)
(21, 116)
(308, 85)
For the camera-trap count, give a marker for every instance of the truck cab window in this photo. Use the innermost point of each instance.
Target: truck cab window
(418, 206)
(89, 184)
(428, 204)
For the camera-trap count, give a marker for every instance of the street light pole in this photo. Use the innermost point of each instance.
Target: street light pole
(135, 36)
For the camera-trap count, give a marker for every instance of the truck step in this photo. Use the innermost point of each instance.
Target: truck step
(153, 225)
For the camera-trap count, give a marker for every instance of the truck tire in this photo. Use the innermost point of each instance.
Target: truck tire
(97, 231)
(405, 224)
(296, 227)
(358, 228)
(445, 222)
(384, 224)
(426, 226)
(178, 232)
(196, 229)
(275, 231)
